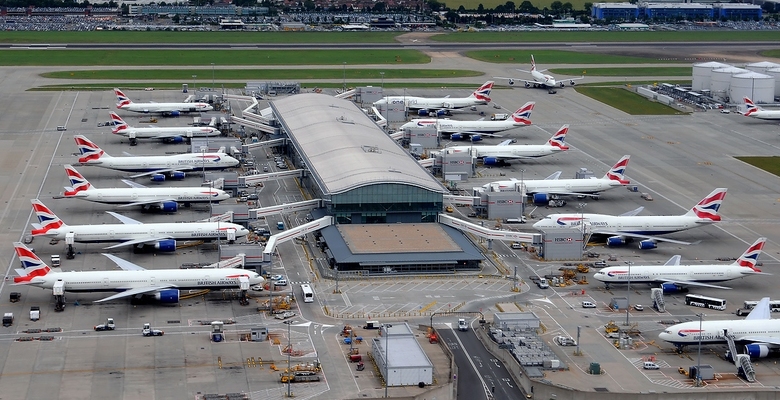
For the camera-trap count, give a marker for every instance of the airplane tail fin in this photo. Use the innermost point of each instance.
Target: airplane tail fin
(79, 182)
(32, 265)
(48, 220)
(523, 114)
(117, 122)
(749, 258)
(121, 99)
(89, 150)
(751, 107)
(618, 170)
(707, 208)
(483, 93)
(557, 140)
(533, 63)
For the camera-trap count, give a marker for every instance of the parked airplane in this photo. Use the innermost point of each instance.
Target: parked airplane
(500, 154)
(441, 105)
(174, 166)
(758, 112)
(162, 236)
(167, 109)
(476, 129)
(133, 281)
(543, 190)
(173, 134)
(540, 79)
(629, 225)
(167, 199)
(673, 276)
(759, 333)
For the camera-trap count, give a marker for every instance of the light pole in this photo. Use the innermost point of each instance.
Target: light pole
(628, 293)
(212, 76)
(382, 74)
(344, 79)
(582, 224)
(289, 351)
(193, 83)
(698, 360)
(387, 361)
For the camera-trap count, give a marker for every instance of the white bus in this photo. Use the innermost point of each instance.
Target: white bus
(774, 306)
(308, 294)
(698, 300)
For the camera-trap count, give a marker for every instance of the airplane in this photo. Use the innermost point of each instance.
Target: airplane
(164, 285)
(166, 134)
(441, 105)
(499, 154)
(673, 276)
(544, 190)
(167, 199)
(174, 166)
(629, 225)
(541, 79)
(161, 236)
(476, 129)
(166, 109)
(758, 112)
(759, 333)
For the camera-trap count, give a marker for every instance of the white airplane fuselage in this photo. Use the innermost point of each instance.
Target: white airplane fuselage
(544, 80)
(193, 161)
(558, 186)
(166, 107)
(658, 273)
(453, 126)
(136, 195)
(424, 103)
(125, 232)
(765, 115)
(508, 152)
(167, 132)
(687, 333)
(641, 225)
(119, 281)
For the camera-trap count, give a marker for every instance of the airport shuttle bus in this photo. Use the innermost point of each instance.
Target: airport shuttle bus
(774, 306)
(698, 300)
(308, 294)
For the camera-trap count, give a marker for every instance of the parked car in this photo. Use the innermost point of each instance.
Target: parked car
(588, 304)
(639, 307)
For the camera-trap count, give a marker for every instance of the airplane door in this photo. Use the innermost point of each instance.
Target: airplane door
(106, 282)
(111, 234)
(135, 196)
(152, 280)
(100, 196)
(568, 187)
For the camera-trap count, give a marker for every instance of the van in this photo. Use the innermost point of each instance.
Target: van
(542, 283)
(650, 365)
(588, 304)
(280, 225)
(281, 282)
(462, 325)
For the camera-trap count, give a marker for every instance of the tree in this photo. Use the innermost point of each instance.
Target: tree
(436, 6)
(379, 7)
(528, 8)
(509, 6)
(556, 7)
(480, 8)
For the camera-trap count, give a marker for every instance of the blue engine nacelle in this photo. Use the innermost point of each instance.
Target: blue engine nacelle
(647, 245)
(422, 113)
(476, 138)
(615, 241)
(541, 198)
(168, 296)
(491, 161)
(669, 287)
(175, 139)
(158, 177)
(173, 114)
(169, 206)
(757, 350)
(456, 136)
(178, 175)
(165, 245)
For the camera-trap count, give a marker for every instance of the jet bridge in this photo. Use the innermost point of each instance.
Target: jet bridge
(261, 145)
(462, 200)
(490, 234)
(245, 122)
(285, 208)
(254, 180)
(281, 237)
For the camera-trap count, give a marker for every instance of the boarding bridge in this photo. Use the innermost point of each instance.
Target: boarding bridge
(307, 205)
(235, 262)
(270, 246)
(347, 94)
(226, 217)
(657, 297)
(255, 180)
(491, 234)
(732, 347)
(381, 120)
(239, 97)
(255, 125)
(397, 135)
(261, 145)
(462, 200)
(428, 162)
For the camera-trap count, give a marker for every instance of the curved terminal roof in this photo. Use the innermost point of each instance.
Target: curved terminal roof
(344, 147)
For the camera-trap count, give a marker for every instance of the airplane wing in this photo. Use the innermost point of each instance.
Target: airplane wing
(512, 80)
(133, 292)
(133, 184)
(145, 202)
(691, 283)
(632, 212)
(161, 171)
(139, 241)
(636, 235)
(482, 134)
(505, 142)
(124, 264)
(123, 219)
(675, 260)
(554, 176)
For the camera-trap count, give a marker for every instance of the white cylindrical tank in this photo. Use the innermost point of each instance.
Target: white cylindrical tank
(775, 72)
(758, 87)
(702, 73)
(721, 80)
(761, 66)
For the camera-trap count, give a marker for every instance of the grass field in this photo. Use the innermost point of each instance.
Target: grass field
(185, 75)
(552, 57)
(628, 71)
(768, 164)
(626, 101)
(205, 57)
(612, 36)
(240, 85)
(197, 37)
(634, 83)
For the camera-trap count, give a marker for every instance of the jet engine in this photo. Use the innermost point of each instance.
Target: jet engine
(511, 81)
(168, 296)
(476, 138)
(491, 161)
(169, 206)
(563, 84)
(572, 82)
(174, 140)
(615, 241)
(541, 198)
(456, 136)
(647, 245)
(527, 85)
(672, 288)
(757, 350)
(158, 177)
(178, 175)
(167, 245)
